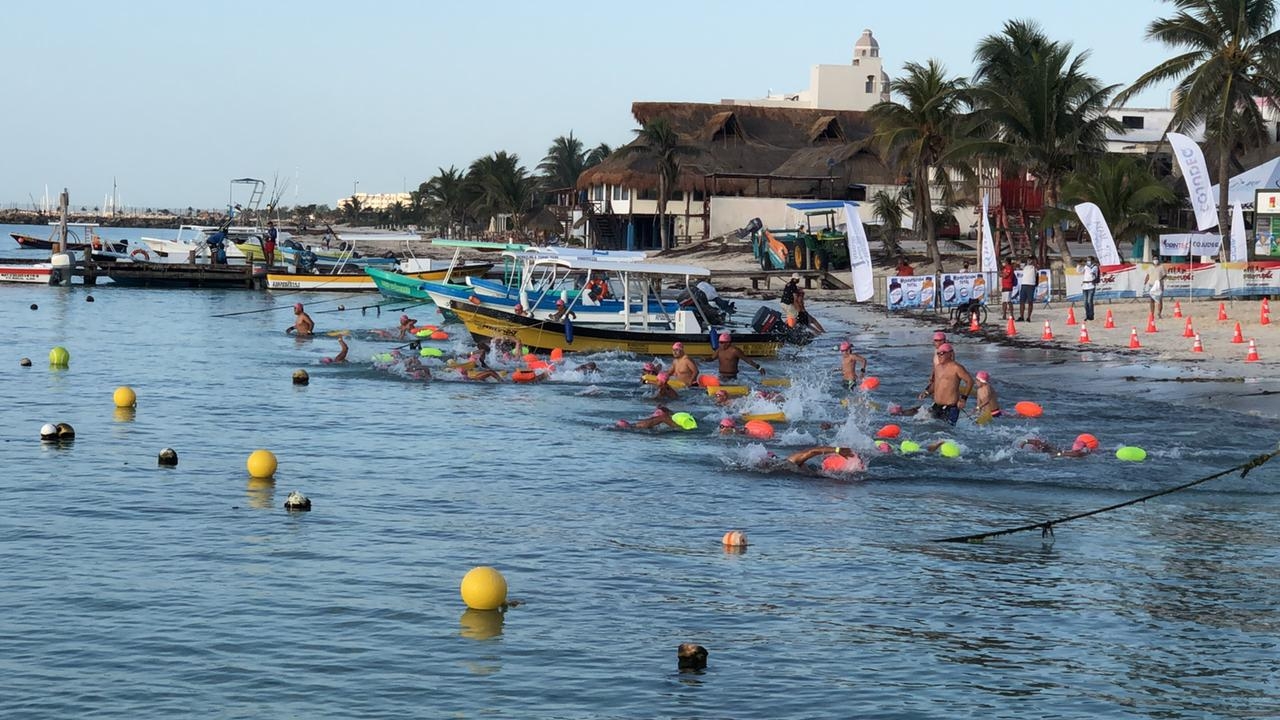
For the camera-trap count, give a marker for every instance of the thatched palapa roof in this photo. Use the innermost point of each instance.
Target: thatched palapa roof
(796, 149)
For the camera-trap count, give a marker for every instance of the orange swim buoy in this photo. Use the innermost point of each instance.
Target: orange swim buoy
(524, 375)
(439, 335)
(1029, 409)
(557, 354)
(1089, 441)
(759, 429)
(889, 432)
(870, 383)
(707, 381)
(537, 364)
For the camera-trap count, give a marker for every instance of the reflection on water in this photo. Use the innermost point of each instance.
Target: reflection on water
(125, 414)
(481, 624)
(261, 493)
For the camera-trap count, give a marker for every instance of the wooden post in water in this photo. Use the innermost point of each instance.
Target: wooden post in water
(64, 200)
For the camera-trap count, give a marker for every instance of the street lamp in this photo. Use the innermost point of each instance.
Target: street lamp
(354, 184)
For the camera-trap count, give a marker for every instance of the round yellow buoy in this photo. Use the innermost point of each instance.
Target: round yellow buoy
(125, 397)
(261, 464)
(59, 357)
(484, 588)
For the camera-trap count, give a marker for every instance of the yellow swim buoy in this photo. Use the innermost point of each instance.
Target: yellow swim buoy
(261, 464)
(59, 357)
(125, 397)
(484, 588)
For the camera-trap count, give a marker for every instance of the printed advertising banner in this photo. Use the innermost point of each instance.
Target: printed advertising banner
(910, 292)
(1202, 280)
(960, 288)
(1188, 244)
(914, 292)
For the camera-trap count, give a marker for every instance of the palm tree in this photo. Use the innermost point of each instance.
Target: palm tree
(1124, 189)
(887, 208)
(502, 186)
(564, 162)
(1231, 58)
(658, 141)
(353, 209)
(926, 137)
(1044, 112)
(447, 196)
(597, 154)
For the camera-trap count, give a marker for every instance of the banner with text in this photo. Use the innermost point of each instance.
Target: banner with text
(1202, 280)
(960, 288)
(910, 292)
(1104, 246)
(1196, 174)
(1188, 244)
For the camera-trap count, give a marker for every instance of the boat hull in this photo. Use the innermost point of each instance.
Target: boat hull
(544, 335)
(353, 282)
(35, 273)
(409, 287)
(184, 275)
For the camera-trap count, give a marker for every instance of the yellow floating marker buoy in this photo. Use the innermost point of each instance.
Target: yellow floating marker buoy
(484, 588)
(59, 357)
(261, 464)
(125, 397)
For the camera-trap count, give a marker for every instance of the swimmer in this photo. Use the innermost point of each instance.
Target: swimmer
(1078, 449)
(303, 325)
(800, 458)
(988, 403)
(414, 368)
(729, 355)
(650, 368)
(722, 397)
(341, 357)
(661, 416)
(587, 367)
(896, 409)
(849, 361)
(665, 391)
(683, 367)
(406, 325)
(945, 386)
(729, 427)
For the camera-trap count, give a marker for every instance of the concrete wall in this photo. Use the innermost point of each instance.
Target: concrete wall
(730, 213)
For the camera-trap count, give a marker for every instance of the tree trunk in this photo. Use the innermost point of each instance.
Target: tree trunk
(924, 216)
(662, 211)
(1224, 193)
(1059, 240)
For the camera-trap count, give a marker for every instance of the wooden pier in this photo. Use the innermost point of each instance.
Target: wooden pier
(177, 275)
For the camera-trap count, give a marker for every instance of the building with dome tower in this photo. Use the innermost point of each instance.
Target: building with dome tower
(856, 86)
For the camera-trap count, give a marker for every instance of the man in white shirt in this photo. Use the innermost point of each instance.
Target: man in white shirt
(1156, 293)
(1028, 276)
(1090, 274)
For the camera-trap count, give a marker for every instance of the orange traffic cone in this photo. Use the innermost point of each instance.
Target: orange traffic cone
(1009, 329)
(1048, 331)
(973, 323)
(1187, 331)
(1222, 311)
(1264, 314)
(1084, 334)
(1071, 315)
(1198, 346)
(1177, 309)
(1133, 339)
(1110, 324)
(1253, 352)
(1239, 336)
(1151, 323)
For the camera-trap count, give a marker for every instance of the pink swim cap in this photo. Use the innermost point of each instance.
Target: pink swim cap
(404, 318)
(1078, 445)
(725, 337)
(945, 347)
(677, 346)
(297, 307)
(325, 361)
(559, 303)
(983, 376)
(650, 368)
(844, 347)
(623, 424)
(939, 335)
(726, 422)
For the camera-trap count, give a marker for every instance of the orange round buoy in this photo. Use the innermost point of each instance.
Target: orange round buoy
(1089, 441)
(1027, 408)
(889, 432)
(759, 429)
(707, 381)
(536, 364)
(524, 375)
(870, 383)
(557, 354)
(734, 538)
(439, 335)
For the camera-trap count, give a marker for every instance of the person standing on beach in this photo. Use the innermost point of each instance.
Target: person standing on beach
(1008, 281)
(729, 355)
(1155, 276)
(1028, 276)
(1089, 285)
(944, 385)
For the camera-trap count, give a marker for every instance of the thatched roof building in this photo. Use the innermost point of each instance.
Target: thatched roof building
(755, 151)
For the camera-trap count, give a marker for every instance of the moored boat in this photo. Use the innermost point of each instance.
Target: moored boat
(365, 280)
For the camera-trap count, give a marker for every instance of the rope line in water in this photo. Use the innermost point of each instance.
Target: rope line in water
(1046, 527)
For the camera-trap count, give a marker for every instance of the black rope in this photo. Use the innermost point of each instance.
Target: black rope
(1046, 527)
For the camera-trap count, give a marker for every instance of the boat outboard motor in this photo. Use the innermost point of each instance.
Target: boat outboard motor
(751, 228)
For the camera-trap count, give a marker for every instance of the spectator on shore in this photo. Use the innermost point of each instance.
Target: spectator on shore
(904, 267)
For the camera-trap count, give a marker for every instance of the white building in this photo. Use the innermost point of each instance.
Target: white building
(376, 201)
(856, 86)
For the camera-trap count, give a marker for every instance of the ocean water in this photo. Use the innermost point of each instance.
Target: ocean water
(131, 590)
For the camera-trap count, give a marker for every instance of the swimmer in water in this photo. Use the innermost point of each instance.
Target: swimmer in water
(988, 402)
(729, 355)
(1078, 449)
(849, 361)
(722, 397)
(341, 357)
(665, 391)
(406, 325)
(587, 367)
(303, 325)
(661, 416)
(683, 367)
(729, 427)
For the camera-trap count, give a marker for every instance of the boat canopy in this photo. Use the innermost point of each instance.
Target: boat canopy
(811, 206)
(631, 267)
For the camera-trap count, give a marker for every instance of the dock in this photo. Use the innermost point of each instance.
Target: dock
(177, 275)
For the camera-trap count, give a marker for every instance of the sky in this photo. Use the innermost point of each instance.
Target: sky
(172, 100)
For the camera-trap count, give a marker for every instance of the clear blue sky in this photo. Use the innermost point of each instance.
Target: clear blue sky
(176, 98)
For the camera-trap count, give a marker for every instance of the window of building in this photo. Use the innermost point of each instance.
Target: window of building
(1133, 122)
(871, 83)
(621, 193)
(698, 196)
(647, 194)
(597, 193)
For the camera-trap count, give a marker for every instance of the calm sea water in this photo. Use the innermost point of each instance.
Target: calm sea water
(136, 591)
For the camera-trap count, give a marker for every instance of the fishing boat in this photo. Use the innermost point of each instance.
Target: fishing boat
(369, 278)
(84, 234)
(545, 335)
(23, 270)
